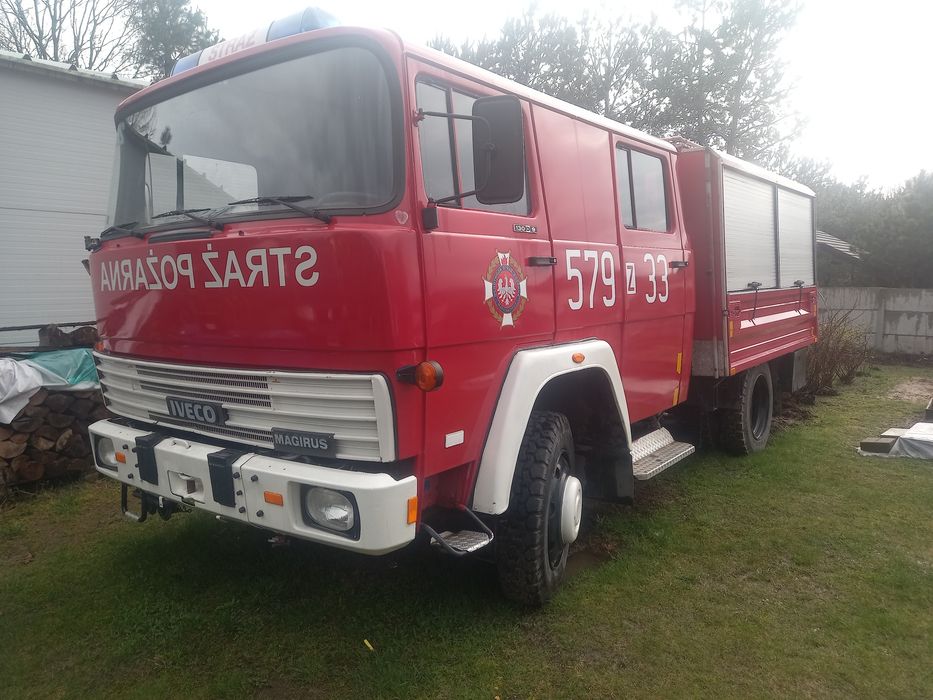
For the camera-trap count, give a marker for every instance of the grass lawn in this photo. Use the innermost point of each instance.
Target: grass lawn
(805, 570)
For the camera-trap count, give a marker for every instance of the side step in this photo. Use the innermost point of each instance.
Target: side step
(655, 452)
(463, 541)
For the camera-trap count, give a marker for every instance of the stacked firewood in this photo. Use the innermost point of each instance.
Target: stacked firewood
(48, 439)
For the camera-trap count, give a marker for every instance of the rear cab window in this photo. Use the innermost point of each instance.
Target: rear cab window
(641, 187)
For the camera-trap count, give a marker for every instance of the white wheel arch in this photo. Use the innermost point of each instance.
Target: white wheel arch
(529, 373)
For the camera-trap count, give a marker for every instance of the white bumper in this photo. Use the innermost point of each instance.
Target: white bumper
(382, 501)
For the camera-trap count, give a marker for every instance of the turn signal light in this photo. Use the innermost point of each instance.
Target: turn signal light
(426, 375)
(412, 510)
(578, 357)
(120, 457)
(274, 498)
(429, 376)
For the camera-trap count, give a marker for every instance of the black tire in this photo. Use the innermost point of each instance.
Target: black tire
(530, 556)
(746, 426)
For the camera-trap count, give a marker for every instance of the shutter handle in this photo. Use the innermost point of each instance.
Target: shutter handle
(679, 263)
(541, 261)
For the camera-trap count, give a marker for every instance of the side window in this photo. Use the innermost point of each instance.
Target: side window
(641, 191)
(434, 134)
(624, 187)
(447, 150)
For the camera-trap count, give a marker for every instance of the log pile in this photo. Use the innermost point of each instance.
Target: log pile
(48, 439)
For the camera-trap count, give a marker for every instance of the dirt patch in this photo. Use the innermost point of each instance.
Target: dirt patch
(794, 409)
(593, 547)
(915, 389)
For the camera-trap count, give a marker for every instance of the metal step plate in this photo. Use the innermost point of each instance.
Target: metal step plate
(652, 442)
(464, 540)
(656, 462)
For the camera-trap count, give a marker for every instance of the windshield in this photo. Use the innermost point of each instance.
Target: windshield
(320, 125)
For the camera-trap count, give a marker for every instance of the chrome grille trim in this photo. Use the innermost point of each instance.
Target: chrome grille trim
(356, 408)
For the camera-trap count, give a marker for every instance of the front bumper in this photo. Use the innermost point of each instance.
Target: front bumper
(180, 470)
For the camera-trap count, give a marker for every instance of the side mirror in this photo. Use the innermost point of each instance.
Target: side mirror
(498, 150)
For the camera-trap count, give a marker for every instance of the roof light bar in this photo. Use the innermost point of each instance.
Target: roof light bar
(307, 20)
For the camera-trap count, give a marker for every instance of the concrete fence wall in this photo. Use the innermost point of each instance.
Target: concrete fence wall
(898, 320)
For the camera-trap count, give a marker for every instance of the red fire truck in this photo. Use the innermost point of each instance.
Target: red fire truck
(356, 290)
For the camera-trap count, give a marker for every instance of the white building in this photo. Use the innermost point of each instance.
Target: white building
(57, 142)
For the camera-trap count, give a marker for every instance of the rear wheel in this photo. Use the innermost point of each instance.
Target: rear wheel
(543, 518)
(746, 426)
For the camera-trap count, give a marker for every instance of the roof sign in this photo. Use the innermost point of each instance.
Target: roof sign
(305, 21)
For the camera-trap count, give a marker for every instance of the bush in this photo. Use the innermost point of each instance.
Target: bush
(843, 349)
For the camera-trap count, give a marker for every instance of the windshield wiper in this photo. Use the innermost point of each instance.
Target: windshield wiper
(192, 214)
(288, 201)
(125, 229)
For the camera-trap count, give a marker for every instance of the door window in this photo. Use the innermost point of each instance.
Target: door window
(434, 133)
(447, 150)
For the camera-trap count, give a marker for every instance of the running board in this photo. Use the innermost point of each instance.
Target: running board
(655, 452)
(463, 541)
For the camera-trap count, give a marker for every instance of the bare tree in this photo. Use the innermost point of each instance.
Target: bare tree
(92, 34)
(720, 81)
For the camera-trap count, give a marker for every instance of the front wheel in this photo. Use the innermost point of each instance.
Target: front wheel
(746, 426)
(544, 514)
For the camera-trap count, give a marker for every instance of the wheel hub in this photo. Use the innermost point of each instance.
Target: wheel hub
(571, 510)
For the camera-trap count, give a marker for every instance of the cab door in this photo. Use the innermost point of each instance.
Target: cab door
(488, 280)
(654, 292)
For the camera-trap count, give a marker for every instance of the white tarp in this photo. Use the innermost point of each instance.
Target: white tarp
(917, 442)
(69, 369)
(18, 381)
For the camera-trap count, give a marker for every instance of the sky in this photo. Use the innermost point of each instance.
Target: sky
(861, 70)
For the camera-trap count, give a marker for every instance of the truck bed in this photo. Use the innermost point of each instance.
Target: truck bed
(736, 326)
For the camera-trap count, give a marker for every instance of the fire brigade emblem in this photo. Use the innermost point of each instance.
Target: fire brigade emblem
(506, 289)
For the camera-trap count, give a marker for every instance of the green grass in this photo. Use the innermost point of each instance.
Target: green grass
(805, 570)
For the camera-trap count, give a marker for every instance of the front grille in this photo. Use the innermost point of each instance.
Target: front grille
(355, 408)
(254, 436)
(207, 394)
(219, 378)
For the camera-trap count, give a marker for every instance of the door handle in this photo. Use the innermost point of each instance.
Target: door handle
(541, 261)
(679, 263)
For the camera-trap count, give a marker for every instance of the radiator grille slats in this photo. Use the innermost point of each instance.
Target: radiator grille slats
(355, 408)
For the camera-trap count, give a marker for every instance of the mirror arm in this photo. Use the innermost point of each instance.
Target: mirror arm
(421, 114)
(451, 198)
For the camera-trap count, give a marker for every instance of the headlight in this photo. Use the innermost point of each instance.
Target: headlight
(330, 509)
(106, 453)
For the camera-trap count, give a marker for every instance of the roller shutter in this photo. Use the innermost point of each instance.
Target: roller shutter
(748, 209)
(795, 222)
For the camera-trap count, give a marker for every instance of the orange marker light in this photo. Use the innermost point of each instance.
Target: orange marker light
(429, 375)
(578, 357)
(412, 510)
(120, 457)
(99, 346)
(274, 498)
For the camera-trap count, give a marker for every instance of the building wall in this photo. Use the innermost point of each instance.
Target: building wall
(56, 154)
(898, 320)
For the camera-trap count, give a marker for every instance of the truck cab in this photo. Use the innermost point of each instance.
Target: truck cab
(354, 290)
